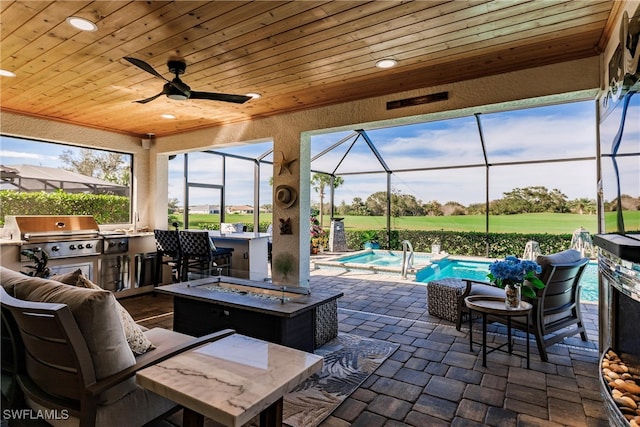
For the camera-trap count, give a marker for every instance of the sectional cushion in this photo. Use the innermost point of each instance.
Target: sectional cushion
(564, 257)
(96, 314)
(136, 339)
(10, 279)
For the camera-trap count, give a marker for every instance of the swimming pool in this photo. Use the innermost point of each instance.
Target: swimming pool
(429, 267)
(378, 260)
(478, 270)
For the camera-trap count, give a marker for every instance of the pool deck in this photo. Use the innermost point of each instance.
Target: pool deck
(433, 380)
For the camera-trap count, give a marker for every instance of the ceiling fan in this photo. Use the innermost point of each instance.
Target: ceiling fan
(177, 89)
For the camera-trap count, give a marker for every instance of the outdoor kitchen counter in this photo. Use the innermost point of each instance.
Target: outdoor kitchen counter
(141, 242)
(201, 307)
(250, 259)
(15, 242)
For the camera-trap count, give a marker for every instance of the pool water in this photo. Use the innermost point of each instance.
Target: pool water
(478, 270)
(381, 258)
(432, 267)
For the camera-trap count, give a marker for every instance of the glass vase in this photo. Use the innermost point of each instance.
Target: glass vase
(512, 296)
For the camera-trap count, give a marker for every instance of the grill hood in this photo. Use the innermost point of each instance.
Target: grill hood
(31, 227)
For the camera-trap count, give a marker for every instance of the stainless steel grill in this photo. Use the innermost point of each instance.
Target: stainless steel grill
(74, 241)
(58, 235)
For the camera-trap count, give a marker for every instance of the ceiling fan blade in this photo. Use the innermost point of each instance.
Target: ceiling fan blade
(238, 99)
(181, 86)
(144, 101)
(146, 67)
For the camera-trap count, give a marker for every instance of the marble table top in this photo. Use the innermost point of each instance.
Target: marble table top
(230, 380)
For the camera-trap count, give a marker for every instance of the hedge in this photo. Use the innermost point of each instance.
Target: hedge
(464, 243)
(106, 209)
(452, 242)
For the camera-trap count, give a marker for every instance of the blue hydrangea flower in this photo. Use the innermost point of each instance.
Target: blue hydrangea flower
(514, 271)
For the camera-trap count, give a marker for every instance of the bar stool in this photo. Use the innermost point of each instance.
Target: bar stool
(167, 245)
(201, 255)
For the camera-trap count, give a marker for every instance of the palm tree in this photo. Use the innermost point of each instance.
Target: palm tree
(319, 181)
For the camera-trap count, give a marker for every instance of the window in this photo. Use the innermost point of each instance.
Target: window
(45, 178)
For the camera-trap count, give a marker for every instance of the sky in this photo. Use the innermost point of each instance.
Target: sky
(534, 134)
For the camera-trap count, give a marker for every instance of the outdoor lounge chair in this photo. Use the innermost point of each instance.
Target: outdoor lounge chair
(68, 369)
(556, 309)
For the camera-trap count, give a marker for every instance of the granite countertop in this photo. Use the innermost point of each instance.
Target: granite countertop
(244, 235)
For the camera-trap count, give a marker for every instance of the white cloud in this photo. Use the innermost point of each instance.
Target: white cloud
(27, 156)
(555, 132)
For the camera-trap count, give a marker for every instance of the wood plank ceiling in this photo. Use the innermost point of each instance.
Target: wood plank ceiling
(297, 55)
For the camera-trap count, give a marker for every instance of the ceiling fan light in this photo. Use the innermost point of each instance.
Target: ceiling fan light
(81, 24)
(386, 63)
(177, 96)
(7, 73)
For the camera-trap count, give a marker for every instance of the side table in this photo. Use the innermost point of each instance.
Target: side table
(494, 306)
(231, 380)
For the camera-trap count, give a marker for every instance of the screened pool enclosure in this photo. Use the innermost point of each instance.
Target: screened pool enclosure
(541, 161)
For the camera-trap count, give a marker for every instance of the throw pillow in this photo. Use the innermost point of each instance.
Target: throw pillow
(137, 340)
(70, 278)
(96, 314)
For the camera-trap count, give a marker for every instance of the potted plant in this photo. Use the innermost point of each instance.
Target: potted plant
(284, 264)
(516, 277)
(370, 239)
(318, 236)
(40, 259)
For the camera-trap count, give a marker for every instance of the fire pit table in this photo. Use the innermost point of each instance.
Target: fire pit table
(289, 316)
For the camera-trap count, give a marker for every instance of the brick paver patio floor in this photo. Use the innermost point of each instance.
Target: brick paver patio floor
(435, 380)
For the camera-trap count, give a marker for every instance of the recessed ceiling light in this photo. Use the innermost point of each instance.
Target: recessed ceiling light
(386, 63)
(81, 23)
(168, 116)
(7, 73)
(254, 95)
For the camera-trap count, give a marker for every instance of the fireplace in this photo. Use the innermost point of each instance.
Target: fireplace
(619, 319)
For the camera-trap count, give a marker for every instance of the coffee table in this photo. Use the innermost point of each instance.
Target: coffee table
(490, 305)
(231, 380)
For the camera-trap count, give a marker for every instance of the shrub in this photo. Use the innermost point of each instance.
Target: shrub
(464, 243)
(106, 209)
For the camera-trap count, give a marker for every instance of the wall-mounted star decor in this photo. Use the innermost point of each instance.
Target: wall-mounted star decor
(282, 164)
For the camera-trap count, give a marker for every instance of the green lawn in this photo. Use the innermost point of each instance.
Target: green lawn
(523, 223)
(526, 223)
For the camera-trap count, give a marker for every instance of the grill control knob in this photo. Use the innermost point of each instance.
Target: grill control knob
(80, 246)
(112, 244)
(55, 248)
(122, 243)
(72, 247)
(88, 246)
